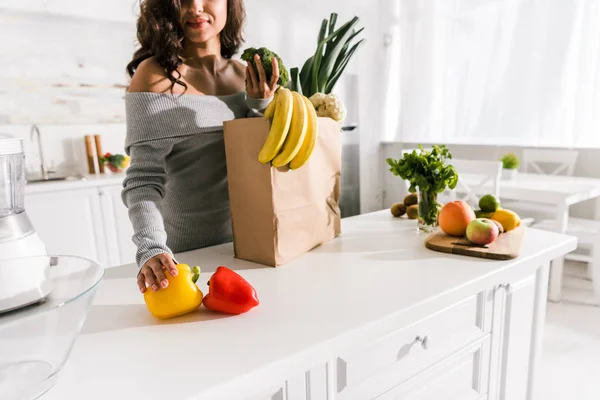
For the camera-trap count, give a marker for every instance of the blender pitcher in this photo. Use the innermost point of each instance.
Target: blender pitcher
(12, 179)
(18, 238)
(18, 286)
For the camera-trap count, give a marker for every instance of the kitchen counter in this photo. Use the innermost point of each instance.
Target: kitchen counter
(321, 327)
(88, 181)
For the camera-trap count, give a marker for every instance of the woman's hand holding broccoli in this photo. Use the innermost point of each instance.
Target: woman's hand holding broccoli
(257, 85)
(265, 72)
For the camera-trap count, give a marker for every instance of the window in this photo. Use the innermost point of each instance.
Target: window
(517, 72)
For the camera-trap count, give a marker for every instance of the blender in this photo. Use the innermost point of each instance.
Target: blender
(18, 238)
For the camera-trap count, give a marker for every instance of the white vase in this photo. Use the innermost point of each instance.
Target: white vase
(509, 174)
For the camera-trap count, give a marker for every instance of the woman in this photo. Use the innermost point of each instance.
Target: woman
(184, 85)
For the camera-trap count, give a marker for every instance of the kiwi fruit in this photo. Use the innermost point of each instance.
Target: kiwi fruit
(398, 210)
(410, 199)
(412, 211)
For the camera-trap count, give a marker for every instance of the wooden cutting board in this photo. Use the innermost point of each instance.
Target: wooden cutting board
(506, 247)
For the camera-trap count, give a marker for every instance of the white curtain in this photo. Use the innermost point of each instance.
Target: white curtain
(516, 72)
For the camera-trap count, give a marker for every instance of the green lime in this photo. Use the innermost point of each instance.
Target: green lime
(483, 214)
(488, 203)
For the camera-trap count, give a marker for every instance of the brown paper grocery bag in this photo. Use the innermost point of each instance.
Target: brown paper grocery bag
(278, 214)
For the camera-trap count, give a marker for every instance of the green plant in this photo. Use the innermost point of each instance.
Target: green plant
(510, 161)
(321, 71)
(430, 172)
(266, 58)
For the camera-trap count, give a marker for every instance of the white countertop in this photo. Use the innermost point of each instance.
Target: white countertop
(377, 270)
(88, 181)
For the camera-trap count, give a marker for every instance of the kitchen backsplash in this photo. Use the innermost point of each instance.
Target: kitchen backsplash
(64, 146)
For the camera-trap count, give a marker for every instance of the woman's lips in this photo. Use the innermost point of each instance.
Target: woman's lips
(197, 24)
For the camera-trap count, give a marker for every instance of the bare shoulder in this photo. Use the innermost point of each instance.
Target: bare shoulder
(149, 77)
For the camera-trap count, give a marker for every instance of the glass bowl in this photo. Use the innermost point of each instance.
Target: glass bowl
(38, 331)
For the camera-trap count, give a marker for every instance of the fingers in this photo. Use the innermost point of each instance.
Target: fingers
(253, 77)
(169, 264)
(249, 85)
(150, 278)
(261, 72)
(275, 77)
(153, 272)
(159, 272)
(141, 281)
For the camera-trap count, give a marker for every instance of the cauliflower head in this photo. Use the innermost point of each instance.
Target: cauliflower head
(329, 105)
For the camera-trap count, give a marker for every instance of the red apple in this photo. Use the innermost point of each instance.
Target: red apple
(482, 231)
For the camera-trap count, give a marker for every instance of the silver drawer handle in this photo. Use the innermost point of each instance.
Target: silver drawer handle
(505, 286)
(424, 341)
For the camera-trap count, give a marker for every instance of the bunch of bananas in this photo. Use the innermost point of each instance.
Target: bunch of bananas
(294, 130)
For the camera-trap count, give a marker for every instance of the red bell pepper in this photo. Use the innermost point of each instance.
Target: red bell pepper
(229, 293)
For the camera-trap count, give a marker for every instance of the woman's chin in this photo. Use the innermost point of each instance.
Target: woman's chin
(199, 36)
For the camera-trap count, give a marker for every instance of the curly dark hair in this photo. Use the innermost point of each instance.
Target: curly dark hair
(160, 35)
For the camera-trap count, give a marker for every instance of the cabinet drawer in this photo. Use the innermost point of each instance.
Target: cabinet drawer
(415, 347)
(460, 377)
(313, 384)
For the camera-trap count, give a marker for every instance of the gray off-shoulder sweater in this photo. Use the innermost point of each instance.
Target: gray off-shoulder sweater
(176, 185)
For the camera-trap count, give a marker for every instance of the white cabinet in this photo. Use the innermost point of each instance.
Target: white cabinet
(396, 356)
(475, 348)
(516, 337)
(89, 222)
(314, 384)
(464, 376)
(69, 222)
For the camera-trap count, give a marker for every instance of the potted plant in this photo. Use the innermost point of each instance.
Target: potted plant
(510, 164)
(429, 174)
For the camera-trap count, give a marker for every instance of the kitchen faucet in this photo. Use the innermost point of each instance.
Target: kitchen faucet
(36, 132)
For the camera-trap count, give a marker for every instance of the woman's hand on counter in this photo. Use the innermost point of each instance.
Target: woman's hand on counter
(258, 86)
(153, 272)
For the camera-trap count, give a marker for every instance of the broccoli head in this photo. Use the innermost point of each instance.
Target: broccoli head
(266, 57)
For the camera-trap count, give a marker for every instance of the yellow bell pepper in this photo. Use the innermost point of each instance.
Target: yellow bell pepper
(180, 297)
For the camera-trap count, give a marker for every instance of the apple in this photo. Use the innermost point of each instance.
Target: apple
(482, 231)
(499, 225)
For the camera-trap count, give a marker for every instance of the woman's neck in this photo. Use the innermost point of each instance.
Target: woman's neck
(206, 54)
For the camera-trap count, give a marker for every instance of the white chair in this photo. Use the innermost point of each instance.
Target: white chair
(545, 162)
(587, 232)
(562, 162)
(482, 172)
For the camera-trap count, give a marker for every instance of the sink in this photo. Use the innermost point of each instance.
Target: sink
(56, 179)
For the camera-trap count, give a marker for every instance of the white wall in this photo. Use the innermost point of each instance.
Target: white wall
(64, 69)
